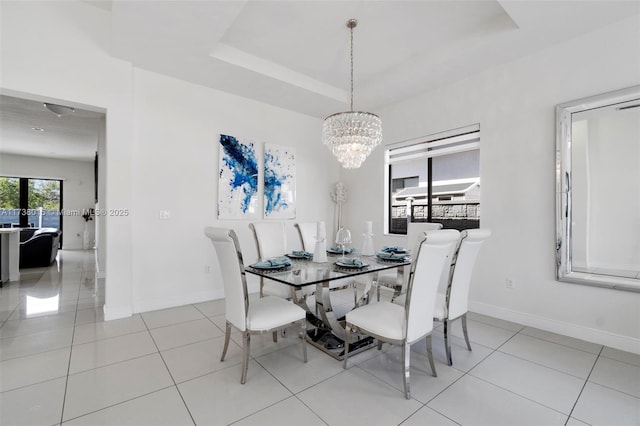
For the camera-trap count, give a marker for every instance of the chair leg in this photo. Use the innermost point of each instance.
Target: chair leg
(347, 339)
(355, 297)
(406, 359)
(304, 339)
(464, 331)
(430, 356)
(447, 345)
(246, 342)
(227, 335)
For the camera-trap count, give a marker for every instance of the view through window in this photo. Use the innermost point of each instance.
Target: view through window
(435, 179)
(27, 202)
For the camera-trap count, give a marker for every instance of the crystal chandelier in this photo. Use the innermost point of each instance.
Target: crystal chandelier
(352, 135)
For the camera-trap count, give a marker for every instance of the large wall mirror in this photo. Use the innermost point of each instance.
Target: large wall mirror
(598, 190)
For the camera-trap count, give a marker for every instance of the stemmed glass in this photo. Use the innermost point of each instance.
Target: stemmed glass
(343, 237)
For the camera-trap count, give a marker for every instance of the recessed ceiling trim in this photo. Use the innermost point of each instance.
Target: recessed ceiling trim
(237, 57)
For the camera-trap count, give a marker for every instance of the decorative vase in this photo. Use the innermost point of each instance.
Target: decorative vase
(367, 243)
(320, 251)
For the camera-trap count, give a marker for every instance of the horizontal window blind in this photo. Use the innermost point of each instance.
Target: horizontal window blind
(450, 142)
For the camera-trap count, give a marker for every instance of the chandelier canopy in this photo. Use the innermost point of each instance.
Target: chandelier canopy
(352, 135)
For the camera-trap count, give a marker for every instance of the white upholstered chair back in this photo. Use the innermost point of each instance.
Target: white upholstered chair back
(415, 234)
(229, 257)
(471, 241)
(271, 239)
(423, 281)
(416, 230)
(307, 231)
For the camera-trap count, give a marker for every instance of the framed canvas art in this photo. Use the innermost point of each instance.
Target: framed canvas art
(279, 182)
(238, 179)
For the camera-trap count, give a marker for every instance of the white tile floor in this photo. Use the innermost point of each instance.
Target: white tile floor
(70, 367)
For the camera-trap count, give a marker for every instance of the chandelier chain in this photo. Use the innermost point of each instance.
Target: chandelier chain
(352, 135)
(351, 58)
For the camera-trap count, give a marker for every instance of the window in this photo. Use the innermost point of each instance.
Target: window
(26, 202)
(405, 182)
(434, 179)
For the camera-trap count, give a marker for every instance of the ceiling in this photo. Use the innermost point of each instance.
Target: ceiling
(295, 54)
(28, 128)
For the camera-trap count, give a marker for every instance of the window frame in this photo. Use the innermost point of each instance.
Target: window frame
(23, 200)
(452, 141)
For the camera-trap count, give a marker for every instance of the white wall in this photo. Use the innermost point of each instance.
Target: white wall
(77, 177)
(515, 106)
(160, 151)
(100, 221)
(176, 131)
(58, 51)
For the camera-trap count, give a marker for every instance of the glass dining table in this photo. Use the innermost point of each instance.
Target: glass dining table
(328, 334)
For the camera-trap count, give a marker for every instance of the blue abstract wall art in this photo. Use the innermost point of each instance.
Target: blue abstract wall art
(238, 179)
(279, 182)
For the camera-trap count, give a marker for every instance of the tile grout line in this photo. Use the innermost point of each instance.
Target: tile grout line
(584, 385)
(66, 382)
(309, 408)
(562, 344)
(9, 316)
(118, 403)
(293, 394)
(175, 385)
(424, 405)
(542, 365)
(508, 390)
(465, 373)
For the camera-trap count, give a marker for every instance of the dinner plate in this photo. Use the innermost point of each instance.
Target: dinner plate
(298, 256)
(387, 256)
(398, 251)
(268, 268)
(350, 265)
(346, 251)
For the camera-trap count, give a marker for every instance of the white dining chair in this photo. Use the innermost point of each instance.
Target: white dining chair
(404, 325)
(271, 241)
(263, 315)
(393, 279)
(307, 232)
(454, 302)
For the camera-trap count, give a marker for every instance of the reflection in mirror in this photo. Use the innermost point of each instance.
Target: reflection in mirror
(598, 190)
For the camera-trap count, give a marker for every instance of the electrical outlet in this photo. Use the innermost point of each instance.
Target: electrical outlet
(165, 214)
(510, 283)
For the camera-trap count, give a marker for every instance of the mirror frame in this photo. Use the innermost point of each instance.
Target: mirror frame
(564, 112)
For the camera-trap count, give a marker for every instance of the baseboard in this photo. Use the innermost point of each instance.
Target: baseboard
(112, 314)
(600, 337)
(184, 299)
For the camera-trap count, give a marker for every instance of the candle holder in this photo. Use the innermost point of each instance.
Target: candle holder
(343, 237)
(367, 244)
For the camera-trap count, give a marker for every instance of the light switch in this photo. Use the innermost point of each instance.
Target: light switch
(165, 214)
